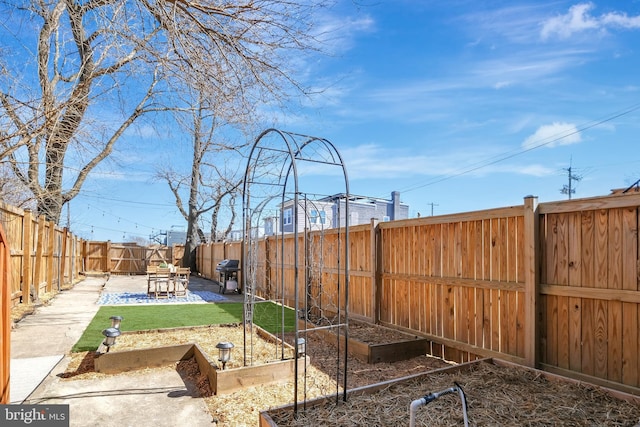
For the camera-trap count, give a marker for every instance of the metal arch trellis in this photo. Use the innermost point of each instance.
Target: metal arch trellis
(272, 179)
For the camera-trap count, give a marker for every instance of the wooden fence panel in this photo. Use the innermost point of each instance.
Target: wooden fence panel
(39, 260)
(555, 283)
(589, 286)
(464, 287)
(262, 274)
(12, 219)
(204, 262)
(209, 255)
(156, 255)
(5, 317)
(119, 258)
(52, 278)
(128, 259)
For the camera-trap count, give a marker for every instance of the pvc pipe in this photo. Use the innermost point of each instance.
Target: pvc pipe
(433, 396)
(413, 408)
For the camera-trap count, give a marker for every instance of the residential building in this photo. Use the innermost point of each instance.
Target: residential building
(329, 212)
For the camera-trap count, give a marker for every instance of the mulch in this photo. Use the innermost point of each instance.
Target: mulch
(496, 395)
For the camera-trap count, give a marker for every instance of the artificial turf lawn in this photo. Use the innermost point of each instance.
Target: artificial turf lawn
(267, 315)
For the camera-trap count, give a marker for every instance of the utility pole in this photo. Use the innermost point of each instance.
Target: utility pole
(432, 205)
(568, 189)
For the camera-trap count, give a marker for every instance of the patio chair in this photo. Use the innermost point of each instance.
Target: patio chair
(151, 274)
(162, 282)
(181, 281)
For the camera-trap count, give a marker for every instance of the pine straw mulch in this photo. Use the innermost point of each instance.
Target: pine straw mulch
(242, 407)
(374, 334)
(496, 396)
(81, 365)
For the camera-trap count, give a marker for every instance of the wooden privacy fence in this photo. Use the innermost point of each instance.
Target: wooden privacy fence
(127, 258)
(5, 317)
(550, 285)
(210, 254)
(43, 256)
(589, 293)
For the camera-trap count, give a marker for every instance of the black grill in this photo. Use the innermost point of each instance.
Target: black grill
(228, 266)
(228, 270)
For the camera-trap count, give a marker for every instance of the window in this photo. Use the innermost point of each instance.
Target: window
(316, 217)
(287, 217)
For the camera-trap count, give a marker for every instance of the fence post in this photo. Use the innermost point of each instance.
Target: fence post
(63, 258)
(26, 255)
(372, 263)
(85, 255)
(531, 279)
(376, 265)
(5, 318)
(107, 256)
(37, 271)
(51, 248)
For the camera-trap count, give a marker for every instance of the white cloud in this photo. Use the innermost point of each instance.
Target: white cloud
(535, 170)
(579, 19)
(553, 135)
(502, 84)
(515, 23)
(337, 33)
(621, 20)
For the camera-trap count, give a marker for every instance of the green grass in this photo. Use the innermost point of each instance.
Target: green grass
(138, 318)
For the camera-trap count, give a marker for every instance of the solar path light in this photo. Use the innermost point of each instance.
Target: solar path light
(115, 321)
(301, 347)
(110, 335)
(224, 349)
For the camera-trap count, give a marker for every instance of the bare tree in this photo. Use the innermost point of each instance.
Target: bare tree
(215, 214)
(95, 67)
(12, 191)
(210, 179)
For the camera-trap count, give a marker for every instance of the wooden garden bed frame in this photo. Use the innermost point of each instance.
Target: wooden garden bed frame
(265, 419)
(221, 381)
(396, 351)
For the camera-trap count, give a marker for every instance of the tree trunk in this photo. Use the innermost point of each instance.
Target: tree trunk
(189, 256)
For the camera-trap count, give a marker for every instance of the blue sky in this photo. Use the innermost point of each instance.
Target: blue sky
(459, 105)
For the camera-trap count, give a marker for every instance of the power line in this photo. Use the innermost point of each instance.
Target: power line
(133, 202)
(513, 153)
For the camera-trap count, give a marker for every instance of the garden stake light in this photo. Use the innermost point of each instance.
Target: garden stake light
(115, 321)
(301, 347)
(224, 349)
(110, 337)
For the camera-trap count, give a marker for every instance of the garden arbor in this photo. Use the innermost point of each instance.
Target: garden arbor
(283, 215)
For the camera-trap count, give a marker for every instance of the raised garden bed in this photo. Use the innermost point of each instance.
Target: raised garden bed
(264, 371)
(374, 343)
(497, 393)
(242, 406)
